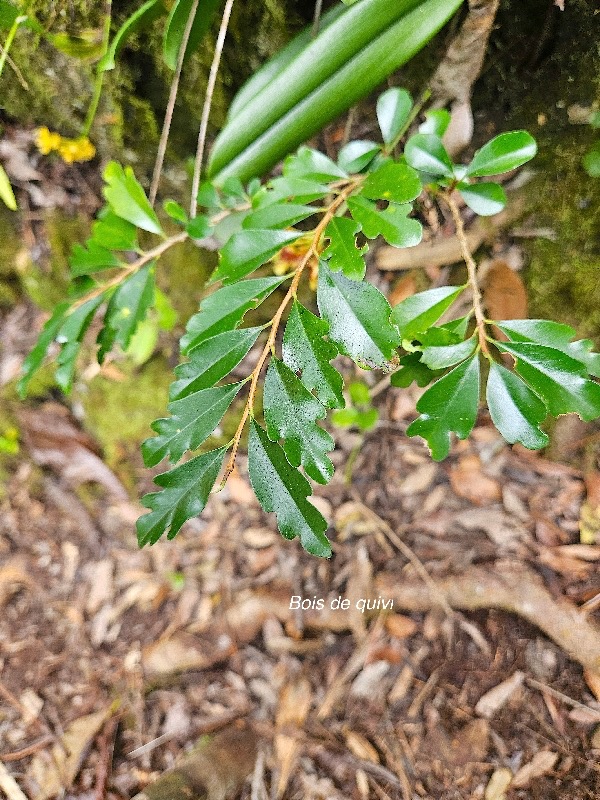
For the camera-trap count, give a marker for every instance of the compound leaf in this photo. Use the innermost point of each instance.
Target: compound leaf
(559, 380)
(224, 309)
(515, 410)
(127, 307)
(419, 311)
(450, 405)
(212, 360)
(307, 352)
(185, 493)
(193, 419)
(127, 199)
(392, 181)
(358, 317)
(393, 222)
(503, 153)
(342, 252)
(249, 249)
(283, 489)
(393, 111)
(291, 413)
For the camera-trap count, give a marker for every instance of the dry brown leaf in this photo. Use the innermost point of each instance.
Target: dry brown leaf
(13, 576)
(287, 749)
(295, 701)
(55, 771)
(504, 294)
(493, 700)
(504, 531)
(498, 784)
(258, 538)
(469, 482)
(400, 626)
(9, 785)
(586, 552)
(593, 681)
(361, 747)
(360, 585)
(403, 683)
(183, 652)
(419, 480)
(471, 743)
(573, 568)
(404, 287)
(542, 763)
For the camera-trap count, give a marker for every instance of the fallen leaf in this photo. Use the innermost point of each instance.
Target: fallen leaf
(294, 704)
(593, 681)
(493, 700)
(9, 785)
(361, 747)
(13, 576)
(469, 482)
(404, 287)
(504, 294)
(504, 531)
(419, 480)
(498, 784)
(183, 652)
(400, 626)
(542, 763)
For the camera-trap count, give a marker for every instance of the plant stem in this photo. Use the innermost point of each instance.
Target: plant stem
(313, 251)
(9, 40)
(166, 128)
(210, 88)
(472, 272)
(99, 79)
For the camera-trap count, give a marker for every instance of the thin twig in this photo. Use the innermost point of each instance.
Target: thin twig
(166, 128)
(317, 18)
(210, 88)
(24, 752)
(472, 271)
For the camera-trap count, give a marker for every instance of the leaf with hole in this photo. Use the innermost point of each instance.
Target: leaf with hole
(193, 419)
(281, 488)
(393, 222)
(449, 406)
(342, 252)
(515, 410)
(358, 315)
(306, 351)
(185, 492)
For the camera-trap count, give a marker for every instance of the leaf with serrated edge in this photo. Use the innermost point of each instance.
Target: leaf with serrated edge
(358, 315)
(283, 489)
(449, 406)
(127, 199)
(113, 232)
(92, 258)
(127, 307)
(193, 419)
(307, 352)
(224, 309)
(291, 413)
(391, 181)
(557, 378)
(449, 355)
(553, 334)
(419, 311)
(249, 249)
(393, 222)
(411, 369)
(70, 337)
(309, 164)
(515, 410)
(212, 360)
(185, 492)
(393, 110)
(342, 252)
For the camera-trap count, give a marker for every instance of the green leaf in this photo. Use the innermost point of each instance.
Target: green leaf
(186, 490)
(176, 24)
(503, 153)
(436, 122)
(514, 408)
(176, 212)
(277, 215)
(307, 352)
(248, 250)
(6, 191)
(224, 309)
(301, 190)
(127, 199)
(144, 15)
(342, 252)
(291, 413)
(553, 334)
(143, 342)
(212, 360)
(166, 314)
(312, 165)
(127, 307)
(425, 152)
(393, 222)
(418, 312)
(283, 489)
(199, 227)
(359, 393)
(113, 232)
(449, 406)
(84, 261)
(358, 316)
(393, 111)
(34, 359)
(353, 418)
(86, 45)
(8, 14)
(448, 355)
(411, 369)
(392, 181)
(193, 419)
(484, 199)
(357, 155)
(591, 161)
(557, 378)
(70, 336)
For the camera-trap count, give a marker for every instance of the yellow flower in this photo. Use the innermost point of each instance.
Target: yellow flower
(70, 150)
